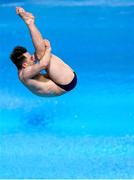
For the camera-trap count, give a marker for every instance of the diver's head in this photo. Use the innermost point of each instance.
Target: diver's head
(21, 57)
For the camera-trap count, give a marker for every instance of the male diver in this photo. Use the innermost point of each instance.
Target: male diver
(59, 77)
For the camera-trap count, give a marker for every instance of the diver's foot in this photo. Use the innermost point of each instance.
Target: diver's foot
(26, 16)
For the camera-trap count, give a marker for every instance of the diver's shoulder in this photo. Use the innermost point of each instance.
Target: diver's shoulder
(20, 75)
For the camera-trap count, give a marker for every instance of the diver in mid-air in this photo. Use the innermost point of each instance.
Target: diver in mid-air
(59, 77)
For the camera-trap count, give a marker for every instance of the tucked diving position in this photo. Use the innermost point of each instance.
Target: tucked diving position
(59, 78)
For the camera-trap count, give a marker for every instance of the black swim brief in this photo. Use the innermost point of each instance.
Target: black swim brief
(71, 85)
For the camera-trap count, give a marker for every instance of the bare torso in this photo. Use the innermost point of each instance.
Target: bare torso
(45, 85)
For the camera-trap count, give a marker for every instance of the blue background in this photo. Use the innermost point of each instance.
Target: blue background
(88, 132)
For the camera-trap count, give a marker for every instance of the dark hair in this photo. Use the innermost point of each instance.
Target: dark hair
(17, 56)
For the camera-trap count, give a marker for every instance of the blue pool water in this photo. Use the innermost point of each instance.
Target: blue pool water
(89, 132)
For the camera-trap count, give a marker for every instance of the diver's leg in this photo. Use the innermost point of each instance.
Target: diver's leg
(36, 36)
(59, 71)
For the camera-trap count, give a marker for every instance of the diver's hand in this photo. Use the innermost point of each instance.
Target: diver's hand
(47, 44)
(40, 54)
(47, 55)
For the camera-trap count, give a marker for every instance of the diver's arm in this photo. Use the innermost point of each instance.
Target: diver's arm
(33, 70)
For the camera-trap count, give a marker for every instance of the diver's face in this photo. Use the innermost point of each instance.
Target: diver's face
(29, 59)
